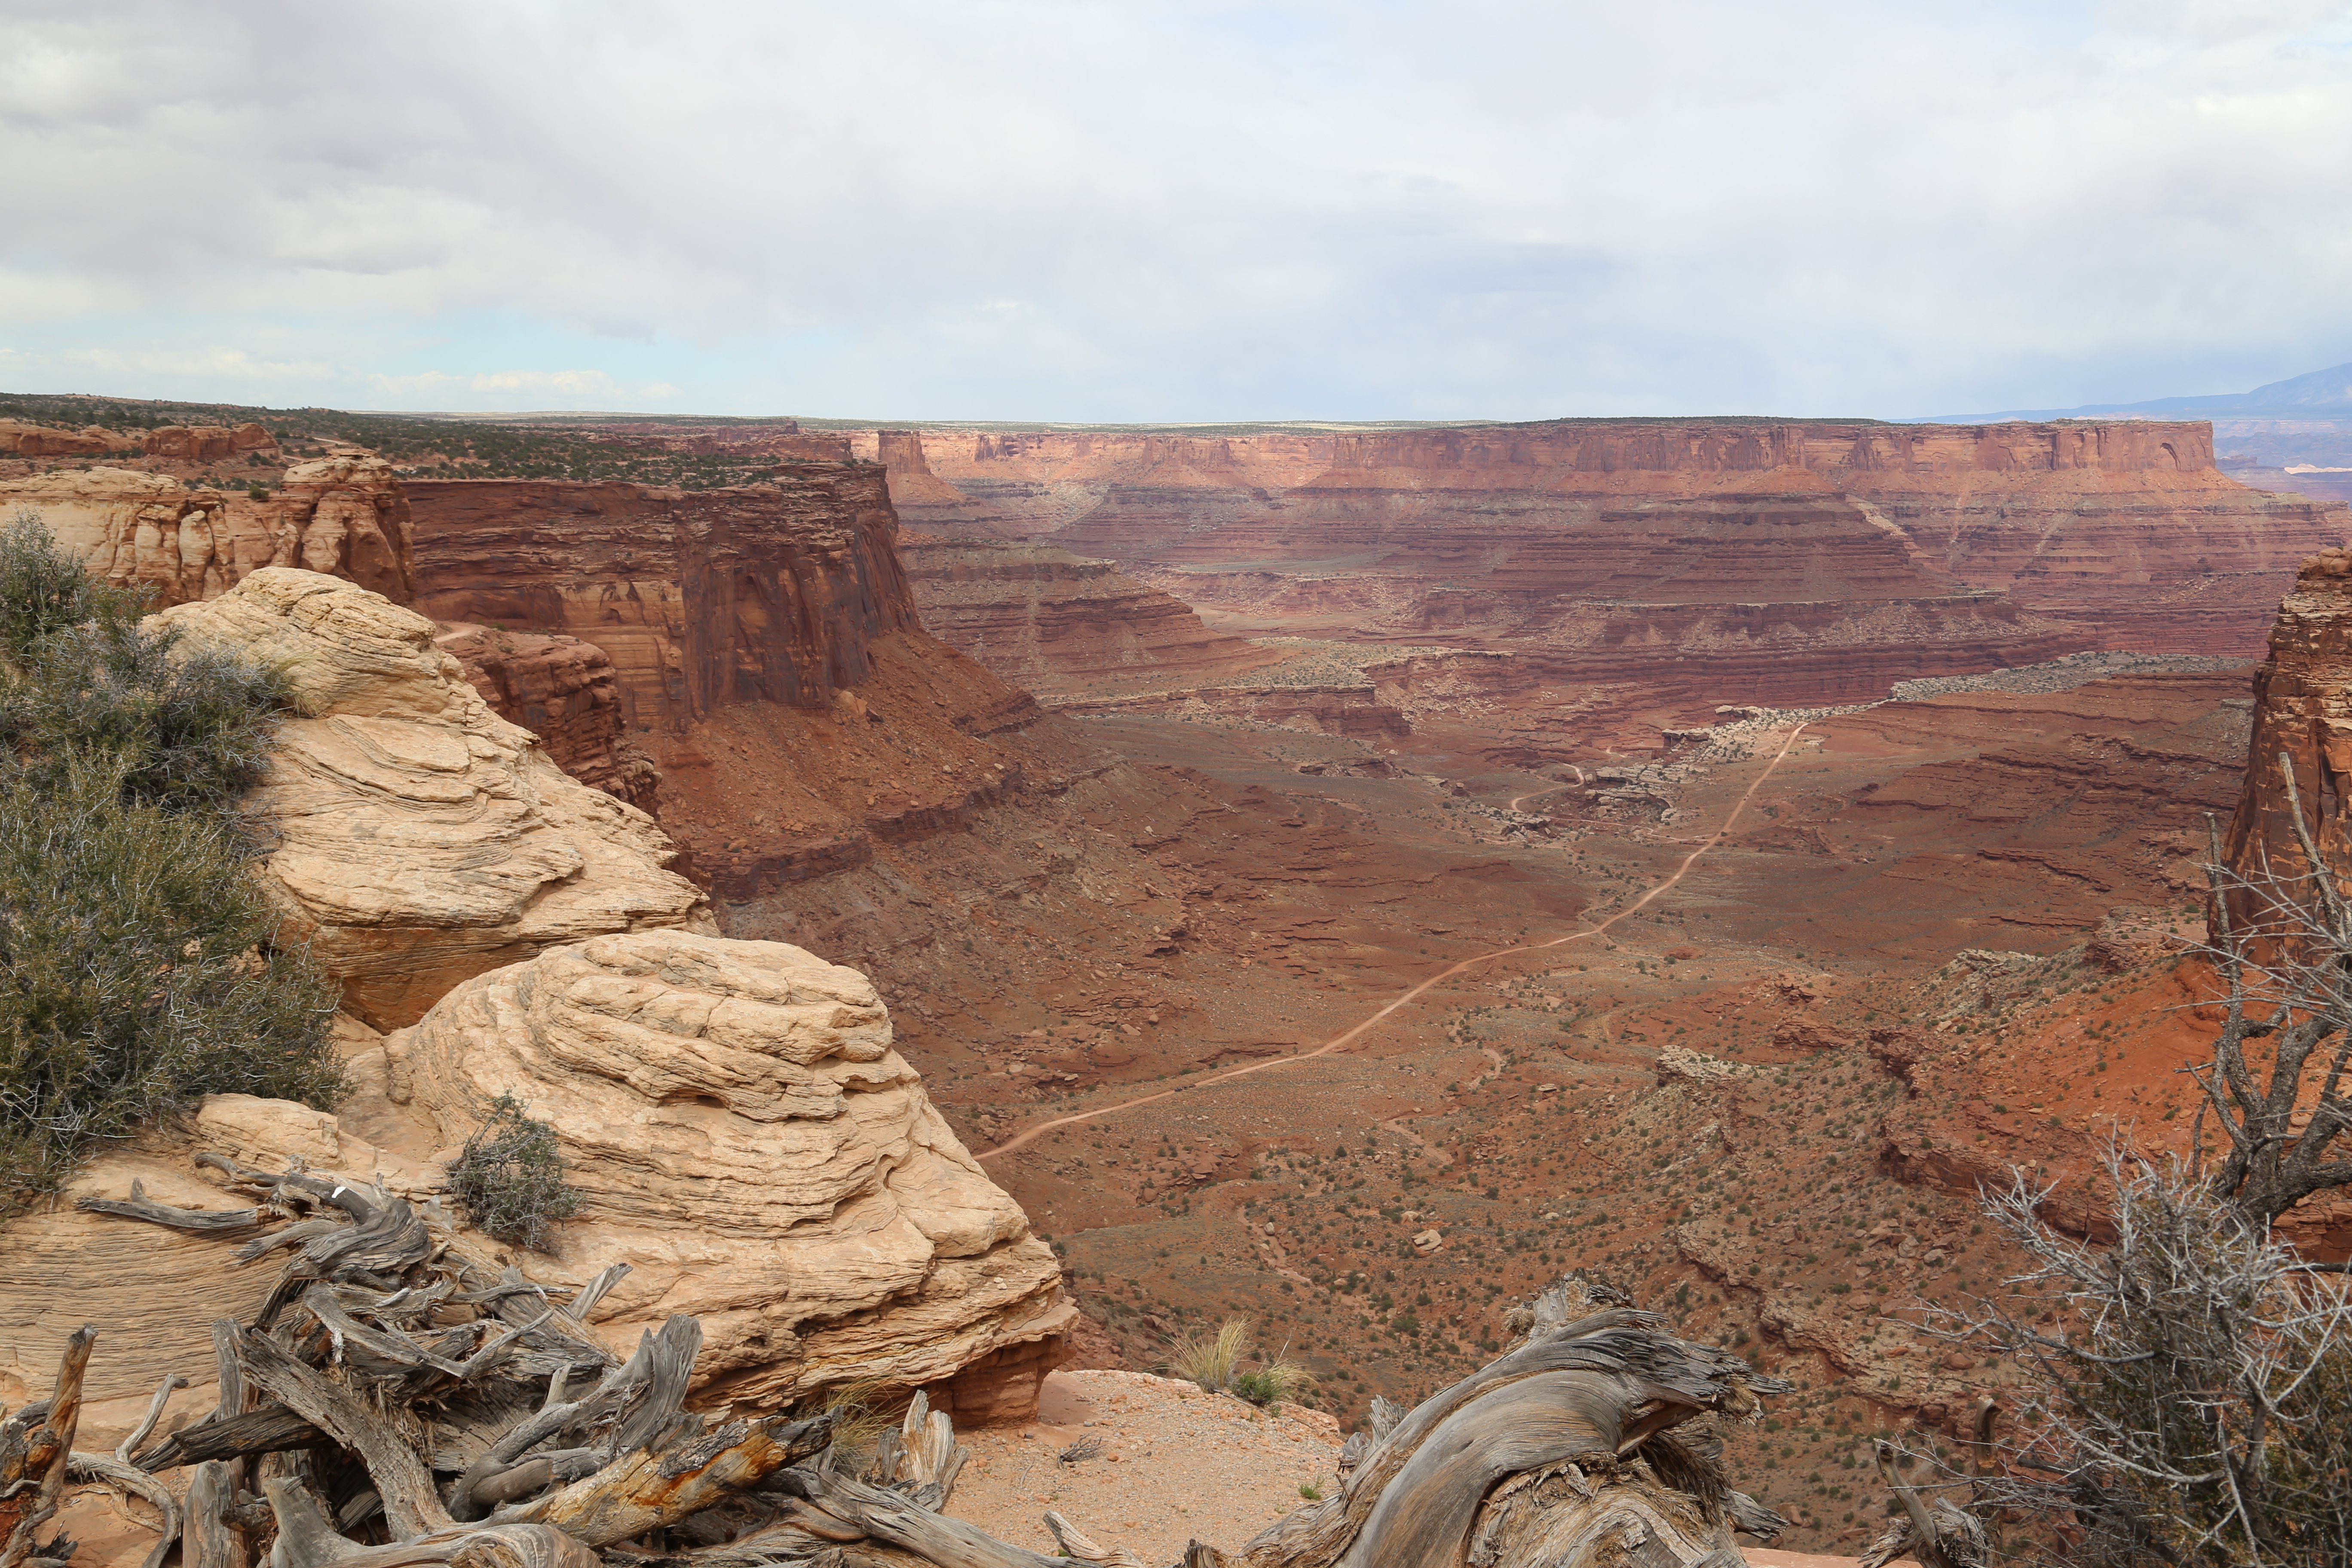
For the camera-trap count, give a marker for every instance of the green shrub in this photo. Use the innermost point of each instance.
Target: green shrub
(509, 1179)
(139, 963)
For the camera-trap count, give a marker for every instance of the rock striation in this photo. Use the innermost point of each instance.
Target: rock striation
(346, 516)
(748, 1141)
(416, 838)
(700, 599)
(2303, 714)
(1064, 628)
(2125, 528)
(564, 691)
(205, 443)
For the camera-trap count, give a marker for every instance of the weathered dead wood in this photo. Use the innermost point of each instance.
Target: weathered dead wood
(646, 1490)
(171, 1383)
(138, 1206)
(1081, 1548)
(898, 1520)
(411, 1507)
(208, 1540)
(119, 1474)
(271, 1429)
(1583, 1391)
(35, 1447)
(1934, 1533)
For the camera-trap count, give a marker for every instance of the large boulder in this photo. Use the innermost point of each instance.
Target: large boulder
(748, 1142)
(417, 838)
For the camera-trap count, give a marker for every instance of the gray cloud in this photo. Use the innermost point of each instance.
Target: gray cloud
(1174, 211)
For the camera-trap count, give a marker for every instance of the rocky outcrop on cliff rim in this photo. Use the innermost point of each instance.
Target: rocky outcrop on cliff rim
(566, 692)
(2302, 710)
(416, 838)
(346, 516)
(748, 1141)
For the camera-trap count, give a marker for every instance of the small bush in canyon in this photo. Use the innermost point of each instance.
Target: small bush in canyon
(509, 1177)
(139, 964)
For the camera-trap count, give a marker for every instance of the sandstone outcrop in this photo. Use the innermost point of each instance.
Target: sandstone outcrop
(1064, 628)
(564, 691)
(2303, 710)
(418, 838)
(48, 441)
(748, 1141)
(912, 483)
(2124, 526)
(205, 443)
(346, 516)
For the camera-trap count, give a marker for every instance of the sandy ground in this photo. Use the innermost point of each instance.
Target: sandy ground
(1177, 1465)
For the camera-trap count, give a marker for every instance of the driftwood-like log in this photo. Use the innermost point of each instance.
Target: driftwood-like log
(208, 1540)
(1571, 1415)
(138, 1206)
(647, 1490)
(271, 1429)
(411, 1507)
(898, 1520)
(35, 1447)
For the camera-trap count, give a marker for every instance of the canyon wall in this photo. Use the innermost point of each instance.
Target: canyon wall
(346, 516)
(700, 599)
(2124, 528)
(2303, 729)
(1064, 628)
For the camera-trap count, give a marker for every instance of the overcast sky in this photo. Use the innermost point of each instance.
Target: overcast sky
(1179, 212)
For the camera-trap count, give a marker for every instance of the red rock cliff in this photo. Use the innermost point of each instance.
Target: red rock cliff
(701, 599)
(2124, 526)
(2303, 710)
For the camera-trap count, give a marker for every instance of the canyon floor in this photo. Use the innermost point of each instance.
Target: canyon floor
(1686, 1034)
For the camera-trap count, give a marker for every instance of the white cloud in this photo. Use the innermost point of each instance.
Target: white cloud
(1198, 209)
(593, 385)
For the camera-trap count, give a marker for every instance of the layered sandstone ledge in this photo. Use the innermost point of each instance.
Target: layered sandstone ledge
(1065, 628)
(415, 837)
(346, 516)
(2124, 527)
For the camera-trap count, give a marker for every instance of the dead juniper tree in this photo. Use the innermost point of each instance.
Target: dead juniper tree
(2187, 1385)
(2282, 943)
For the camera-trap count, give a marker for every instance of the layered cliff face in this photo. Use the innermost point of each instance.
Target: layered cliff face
(1063, 628)
(346, 516)
(415, 837)
(566, 692)
(701, 599)
(2125, 527)
(2303, 729)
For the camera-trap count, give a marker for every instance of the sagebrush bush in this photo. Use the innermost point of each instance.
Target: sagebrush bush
(509, 1179)
(140, 968)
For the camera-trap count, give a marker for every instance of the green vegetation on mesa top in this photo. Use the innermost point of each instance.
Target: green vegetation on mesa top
(430, 446)
(140, 966)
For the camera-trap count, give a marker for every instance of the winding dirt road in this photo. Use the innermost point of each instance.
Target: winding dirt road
(1348, 1036)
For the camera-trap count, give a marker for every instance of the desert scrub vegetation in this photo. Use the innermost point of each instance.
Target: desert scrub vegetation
(139, 964)
(1213, 1362)
(508, 1178)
